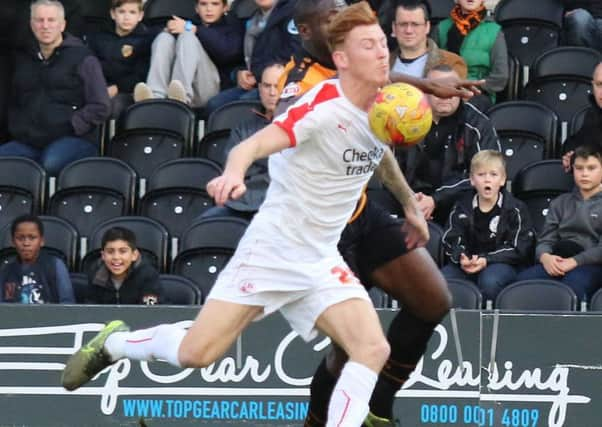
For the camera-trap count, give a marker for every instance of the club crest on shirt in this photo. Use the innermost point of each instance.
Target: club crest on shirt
(494, 223)
(127, 50)
(292, 28)
(290, 90)
(150, 299)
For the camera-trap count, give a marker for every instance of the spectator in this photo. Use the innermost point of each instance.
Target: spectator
(59, 95)
(192, 60)
(489, 236)
(437, 168)
(415, 53)
(470, 33)
(569, 246)
(591, 131)
(122, 276)
(257, 177)
(124, 52)
(35, 277)
(270, 36)
(583, 23)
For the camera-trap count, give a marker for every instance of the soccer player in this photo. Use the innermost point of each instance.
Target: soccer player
(288, 258)
(374, 244)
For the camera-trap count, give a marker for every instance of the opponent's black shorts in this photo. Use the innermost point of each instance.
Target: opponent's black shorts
(372, 240)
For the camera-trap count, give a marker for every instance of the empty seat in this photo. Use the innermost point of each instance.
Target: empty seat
(214, 146)
(440, 9)
(178, 290)
(465, 294)
(92, 190)
(527, 132)
(79, 281)
(595, 303)
(176, 193)
(231, 114)
(537, 295)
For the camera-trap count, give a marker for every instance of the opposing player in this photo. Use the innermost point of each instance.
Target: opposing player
(374, 244)
(324, 153)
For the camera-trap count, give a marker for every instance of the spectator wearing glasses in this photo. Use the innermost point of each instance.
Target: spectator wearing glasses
(415, 53)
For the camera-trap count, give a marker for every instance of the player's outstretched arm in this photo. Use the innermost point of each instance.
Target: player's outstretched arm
(444, 87)
(390, 174)
(231, 184)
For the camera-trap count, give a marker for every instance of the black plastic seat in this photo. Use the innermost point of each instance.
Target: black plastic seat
(178, 290)
(214, 146)
(465, 294)
(231, 114)
(537, 295)
(158, 12)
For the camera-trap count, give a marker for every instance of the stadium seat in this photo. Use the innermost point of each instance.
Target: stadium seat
(152, 240)
(537, 295)
(440, 9)
(22, 187)
(537, 184)
(176, 193)
(60, 239)
(561, 80)
(93, 190)
(79, 281)
(214, 146)
(178, 290)
(577, 120)
(465, 294)
(435, 244)
(96, 16)
(206, 247)
(158, 12)
(595, 303)
(243, 9)
(229, 115)
(529, 30)
(527, 132)
(511, 91)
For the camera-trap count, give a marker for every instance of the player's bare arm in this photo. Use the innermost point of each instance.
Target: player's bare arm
(390, 174)
(443, 87)
(231, 184)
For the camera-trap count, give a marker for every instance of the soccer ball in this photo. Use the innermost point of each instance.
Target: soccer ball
(401, 115)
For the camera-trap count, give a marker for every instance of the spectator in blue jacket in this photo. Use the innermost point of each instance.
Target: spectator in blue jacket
(124, 52)
(192, 60)
(35, 277)
(59, 95)
(583, 23)
(270, 36)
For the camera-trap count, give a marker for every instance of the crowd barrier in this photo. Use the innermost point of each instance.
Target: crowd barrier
(481, 369)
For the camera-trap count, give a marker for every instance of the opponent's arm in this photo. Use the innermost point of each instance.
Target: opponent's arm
(231, 183)
(446, 87)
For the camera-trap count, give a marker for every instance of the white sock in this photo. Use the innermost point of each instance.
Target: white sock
(349, 403)
(161, 342)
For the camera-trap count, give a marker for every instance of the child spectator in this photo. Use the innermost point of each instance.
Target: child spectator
(122, 277)
(270, 36)
(124, 53)
(489, 236)
(192, 60)
(35, 277)
(470, 33)
(569, 248)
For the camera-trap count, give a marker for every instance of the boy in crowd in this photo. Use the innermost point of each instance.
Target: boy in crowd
(192, 60)
(569, 248)
(124, 52)
(35, 277)
(122, 277)
(489, 234)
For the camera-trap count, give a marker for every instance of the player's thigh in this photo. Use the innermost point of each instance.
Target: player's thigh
(354, 325)
(214, 330)
(416, 282)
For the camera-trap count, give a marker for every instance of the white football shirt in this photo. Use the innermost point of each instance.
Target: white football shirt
(316, 183)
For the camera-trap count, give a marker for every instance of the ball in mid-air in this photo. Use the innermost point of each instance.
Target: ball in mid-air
(401, 115)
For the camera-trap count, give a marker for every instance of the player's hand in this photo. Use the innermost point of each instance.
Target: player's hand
(415, 227)
(426, 204)
(176, 25)
(226, 186)
(552, 264)
(566, 160)
(245, 79)
(448, 87)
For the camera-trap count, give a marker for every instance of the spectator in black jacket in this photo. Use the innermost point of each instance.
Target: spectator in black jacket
(124, 52)
(59, 95)
(257, 177)
(270, 36)
(591, 130)
(489, 237)
(192, 60)
(122, 277)
(437, 168)
(583, 23)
